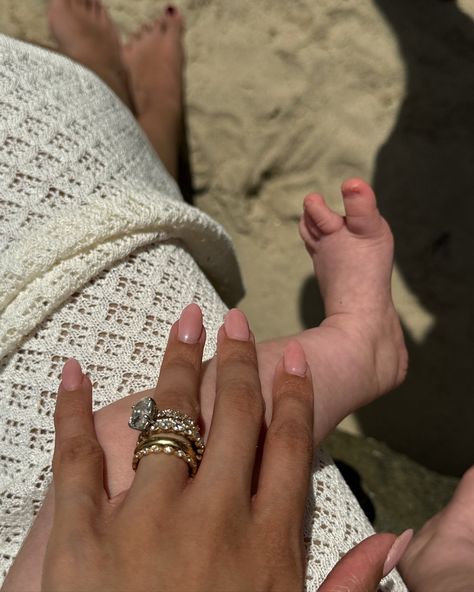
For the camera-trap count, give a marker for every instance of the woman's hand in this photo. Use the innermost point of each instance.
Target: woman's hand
(87, 517)
(170, 532)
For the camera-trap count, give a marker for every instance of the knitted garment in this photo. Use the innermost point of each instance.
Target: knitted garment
(98, 256)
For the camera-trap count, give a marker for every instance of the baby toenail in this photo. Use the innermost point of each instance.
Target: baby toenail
(348, 191)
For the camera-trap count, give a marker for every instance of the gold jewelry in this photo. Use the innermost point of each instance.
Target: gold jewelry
(166, 440)
(147, 436)
(167, 423)
(170, 420)
(165, 429)
(166, 446)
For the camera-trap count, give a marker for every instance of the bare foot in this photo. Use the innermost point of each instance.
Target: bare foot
(85, 32)
(441, 555)
(352, 258)
(154, 58)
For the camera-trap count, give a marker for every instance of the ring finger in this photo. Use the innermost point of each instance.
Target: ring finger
(178, 389)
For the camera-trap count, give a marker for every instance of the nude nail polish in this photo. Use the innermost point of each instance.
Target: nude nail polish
(236, 325)
(397, 550)
(294, 359)
(190, 324)
(71, 378)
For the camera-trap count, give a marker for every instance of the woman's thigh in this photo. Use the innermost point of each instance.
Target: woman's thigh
(64, 136)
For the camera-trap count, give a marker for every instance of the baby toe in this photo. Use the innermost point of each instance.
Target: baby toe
(360, 204)
(321, 216)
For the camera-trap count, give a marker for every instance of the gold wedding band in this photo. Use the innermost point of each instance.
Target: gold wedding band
(166, 445)
(166, 440)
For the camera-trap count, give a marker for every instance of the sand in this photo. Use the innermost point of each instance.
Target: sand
(288, 97)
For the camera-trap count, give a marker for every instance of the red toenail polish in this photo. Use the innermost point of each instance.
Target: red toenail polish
(350, 191)
(170, 9)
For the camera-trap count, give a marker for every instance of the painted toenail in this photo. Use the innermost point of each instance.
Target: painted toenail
(170, 9)
(348, 191)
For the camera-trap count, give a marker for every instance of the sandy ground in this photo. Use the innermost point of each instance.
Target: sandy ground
(287, 97)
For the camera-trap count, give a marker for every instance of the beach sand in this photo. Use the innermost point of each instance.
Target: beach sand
(285, 98)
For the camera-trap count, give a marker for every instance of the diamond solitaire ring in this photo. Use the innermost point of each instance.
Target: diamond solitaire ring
(154, 423)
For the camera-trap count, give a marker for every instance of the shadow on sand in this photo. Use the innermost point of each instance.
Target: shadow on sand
(424, 181)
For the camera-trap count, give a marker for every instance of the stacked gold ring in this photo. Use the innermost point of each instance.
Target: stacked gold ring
(166, 445)
(167, 431)
(171, 421)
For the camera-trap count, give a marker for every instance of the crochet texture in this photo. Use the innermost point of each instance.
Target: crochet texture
(98, 256)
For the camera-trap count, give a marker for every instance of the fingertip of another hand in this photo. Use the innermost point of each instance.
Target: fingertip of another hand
(294, 359)
(72, 376)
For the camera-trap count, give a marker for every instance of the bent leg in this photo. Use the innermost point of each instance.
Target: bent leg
(85, 32)
(154, 57)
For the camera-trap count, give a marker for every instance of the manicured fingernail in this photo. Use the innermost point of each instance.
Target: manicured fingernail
(72, 376)
(190, 324)
(170, 9)
(397, 550)
(236, 325)
(294, 359)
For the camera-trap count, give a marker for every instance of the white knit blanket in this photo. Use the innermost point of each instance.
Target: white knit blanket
(98, 256)
(49, 262)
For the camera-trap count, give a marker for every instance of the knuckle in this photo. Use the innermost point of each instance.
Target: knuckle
(295, 389)
(73, 408)
(292, 432)
(242, 396)
(239, 358)
(181, 366)
(179, 398)
(81, 547)
(78, 449)
(178, 385)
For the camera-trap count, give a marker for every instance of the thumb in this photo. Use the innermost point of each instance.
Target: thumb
(362, 568)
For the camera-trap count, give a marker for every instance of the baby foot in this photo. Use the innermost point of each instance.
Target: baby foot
(85, 33)
(352, 258)
(441, 556)
(154, 58)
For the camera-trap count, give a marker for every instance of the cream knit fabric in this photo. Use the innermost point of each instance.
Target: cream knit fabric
(98, 256)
